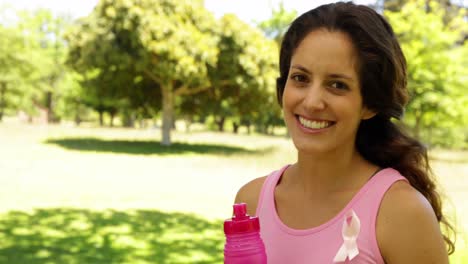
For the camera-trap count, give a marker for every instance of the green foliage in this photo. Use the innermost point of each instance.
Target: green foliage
(32, 53)
(15, 64)
(436, 57)
(275, 27)
(243, 78)
(165, 45)
(46, 47)
(71, 104)
(134, 58)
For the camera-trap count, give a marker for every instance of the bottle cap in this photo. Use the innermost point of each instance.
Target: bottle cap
(241, 222)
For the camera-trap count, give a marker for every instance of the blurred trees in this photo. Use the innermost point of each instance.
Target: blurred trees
(437, 70)
(13, 64)
(276, 26)
(32, 62)
(46, 47)
(133, 60)
(194, 66)
(167, 42)
(243, 77)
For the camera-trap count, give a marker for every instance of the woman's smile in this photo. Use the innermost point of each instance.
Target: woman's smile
(313, 125)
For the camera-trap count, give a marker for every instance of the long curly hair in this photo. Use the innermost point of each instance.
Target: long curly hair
(382, 71)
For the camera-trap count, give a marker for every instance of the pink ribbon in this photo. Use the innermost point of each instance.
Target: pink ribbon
(350, 232)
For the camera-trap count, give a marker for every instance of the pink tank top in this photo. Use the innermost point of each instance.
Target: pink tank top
(322, 243)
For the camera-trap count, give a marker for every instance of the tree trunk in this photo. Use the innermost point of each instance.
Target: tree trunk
(112, 116)
(188, 123)
(173, 125)
(101, 117)
(235, 127)
(220, 123)
(128, 118)
(77, 120)
(142, 122)
(77, 114)
(168, 112)
(50, 107)
(2, 99)
(260, 128)
(247, 124)
(112, 113)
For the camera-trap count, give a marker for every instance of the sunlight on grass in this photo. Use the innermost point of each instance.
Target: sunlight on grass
(115, 196)
(111, 237)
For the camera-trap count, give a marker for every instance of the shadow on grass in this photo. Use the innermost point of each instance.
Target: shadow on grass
(148, 147)
(82, 236)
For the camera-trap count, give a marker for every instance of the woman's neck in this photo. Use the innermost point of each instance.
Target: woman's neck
(323, 174)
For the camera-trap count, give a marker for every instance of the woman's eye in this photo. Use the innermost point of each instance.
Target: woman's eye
(339, 85)
(299, 78)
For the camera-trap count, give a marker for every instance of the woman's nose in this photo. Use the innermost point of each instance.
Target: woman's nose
(314, 98)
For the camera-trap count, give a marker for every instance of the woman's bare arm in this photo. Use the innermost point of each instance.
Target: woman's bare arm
(407, 228)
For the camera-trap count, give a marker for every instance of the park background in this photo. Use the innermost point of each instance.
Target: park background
(126, 130)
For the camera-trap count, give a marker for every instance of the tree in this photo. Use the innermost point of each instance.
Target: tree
(275, 27)
(104, 91)
(13, 64)
(436, 67)
(71, 105)
(43, 38)
(168, 42)
(243, 78)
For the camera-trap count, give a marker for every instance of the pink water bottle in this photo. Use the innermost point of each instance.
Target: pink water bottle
(243, 242)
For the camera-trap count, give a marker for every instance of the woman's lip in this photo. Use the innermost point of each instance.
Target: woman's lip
(313, 130)
(313, 119)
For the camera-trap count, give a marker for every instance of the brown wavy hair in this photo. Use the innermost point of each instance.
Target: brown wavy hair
(382, 72)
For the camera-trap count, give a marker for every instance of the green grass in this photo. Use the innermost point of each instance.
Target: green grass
(84, 236)
(100, 195)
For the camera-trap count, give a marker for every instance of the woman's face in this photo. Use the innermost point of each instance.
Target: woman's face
(322, 102)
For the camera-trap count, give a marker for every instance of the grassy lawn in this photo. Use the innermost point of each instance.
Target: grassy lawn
(100, 195)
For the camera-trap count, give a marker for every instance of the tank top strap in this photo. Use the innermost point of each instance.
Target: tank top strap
(381, 183)
(368, 206)
(266, 202)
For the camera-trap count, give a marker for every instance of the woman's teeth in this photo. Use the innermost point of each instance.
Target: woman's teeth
(314, 124)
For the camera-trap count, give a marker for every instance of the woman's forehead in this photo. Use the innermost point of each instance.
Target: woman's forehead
(331, 50)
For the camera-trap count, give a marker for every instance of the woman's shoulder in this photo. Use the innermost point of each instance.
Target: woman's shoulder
(404, 201)
(407, 227)
(249, 194)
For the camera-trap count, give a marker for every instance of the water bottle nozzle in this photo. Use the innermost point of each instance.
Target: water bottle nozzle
(240, 211)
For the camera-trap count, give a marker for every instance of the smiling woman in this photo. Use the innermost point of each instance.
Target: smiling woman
(322, 104)
(361, 190)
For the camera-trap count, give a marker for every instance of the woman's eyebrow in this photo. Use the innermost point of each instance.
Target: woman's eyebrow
(331, 75)
(301, 68)
(340, 76)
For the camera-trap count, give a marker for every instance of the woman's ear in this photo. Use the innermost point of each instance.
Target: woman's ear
(367, 113)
